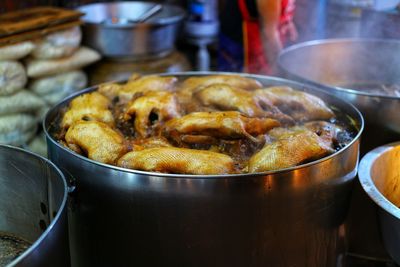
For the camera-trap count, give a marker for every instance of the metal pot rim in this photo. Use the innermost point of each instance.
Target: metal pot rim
(364, 175)
(56, 218)
(221, 176)
(333, 41)
(160, 22)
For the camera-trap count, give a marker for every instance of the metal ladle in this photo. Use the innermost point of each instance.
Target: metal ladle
(142, 18)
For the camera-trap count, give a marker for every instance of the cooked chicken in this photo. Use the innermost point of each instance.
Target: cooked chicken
(96, 139)
(191, 85)
(145, 84)
(232, 80)
(292, 147)
(92, 106)
(327, 131)
(110, 90)
(151, 142)
(299, 105)
(227, 97)
(151, 108)
(178, 160)
(226, 125)
(202, 125)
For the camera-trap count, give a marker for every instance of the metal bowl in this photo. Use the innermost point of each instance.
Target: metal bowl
(379, 174)
(113, 30)
(289, 217)
(333, 64)
(33, 196)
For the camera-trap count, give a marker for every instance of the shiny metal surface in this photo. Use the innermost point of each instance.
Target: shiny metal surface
(33, 196)
(336, 62)
(291, 217)
(111, 29)
(379, 175)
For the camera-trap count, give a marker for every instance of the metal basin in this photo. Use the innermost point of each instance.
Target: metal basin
(110, 28)
(379, 174)
(290, 217)
(33, 196)
(340, 66)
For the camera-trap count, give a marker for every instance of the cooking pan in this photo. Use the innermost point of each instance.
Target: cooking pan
(114, 29)
(289, 217)
(33, 212)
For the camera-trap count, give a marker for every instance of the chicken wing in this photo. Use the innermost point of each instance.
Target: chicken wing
(178, 160)
(151, 108)
(228, 125)
(227, 97)
(299, 105)
(290, 148)
(96, 139)
(145, 84)
(92, 106)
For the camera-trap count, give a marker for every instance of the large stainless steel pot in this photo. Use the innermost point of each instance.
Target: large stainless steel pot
(33, 196)
(111, 29)
(291, 217)
(379, 175)
(334, 63)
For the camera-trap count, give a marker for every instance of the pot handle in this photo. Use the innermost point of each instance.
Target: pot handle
(71, 181)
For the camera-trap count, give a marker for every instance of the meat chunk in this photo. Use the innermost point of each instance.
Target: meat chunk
(299, 105)
(93, 106)
(96, 139)
(145, 84)
(226, 125)
(227, 97)
(153, 107)
(191, 85)
(290, 147)
(178, 160)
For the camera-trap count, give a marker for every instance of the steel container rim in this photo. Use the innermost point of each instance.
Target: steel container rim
(56, 218)
(160, 22)
(360, 119)
(364, 174)
(311, 43)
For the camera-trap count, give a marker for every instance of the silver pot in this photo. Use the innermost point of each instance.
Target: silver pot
(333, 64)
(291, 217)
(113, 29)
(379, 175)
(33, 196)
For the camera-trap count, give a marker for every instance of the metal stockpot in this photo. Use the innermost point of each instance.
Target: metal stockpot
(379, 175)
(33, 196)
(291, 217)
(332, 64)
(111, 29)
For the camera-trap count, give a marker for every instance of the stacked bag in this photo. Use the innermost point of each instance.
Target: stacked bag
(34, 75)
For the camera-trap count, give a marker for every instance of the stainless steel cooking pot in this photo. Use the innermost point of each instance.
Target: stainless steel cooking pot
(33, 196)
(379, 175)
(113, 29)
(342, 67)
(290, 217)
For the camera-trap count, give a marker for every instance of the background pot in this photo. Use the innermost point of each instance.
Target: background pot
(33, 196)
(111, 29)
(291, 217)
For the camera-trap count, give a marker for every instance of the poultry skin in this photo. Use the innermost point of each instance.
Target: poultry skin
(178, 160)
